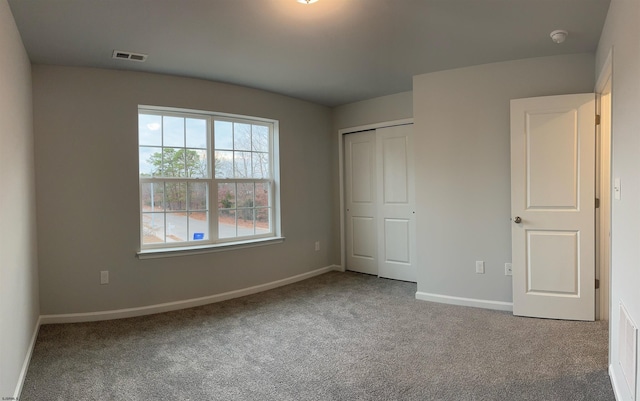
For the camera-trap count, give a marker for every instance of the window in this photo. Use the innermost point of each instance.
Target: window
(205, 178)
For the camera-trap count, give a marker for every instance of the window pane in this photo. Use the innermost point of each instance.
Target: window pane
(245, 195)
(197, 195)
(263, 220)
(173, 131)
(262, 194)
(223, 135)
(152, 228)
(224, 164)
(261, 165)
(196, 133)
(149, 161)
(227, 196)
(176, 195)
(145, 197)
(197, 163)
(226, 223)
(241, 164)
(149, 130)
(173, 162)
(245, 220)
(241, 136)
(176, 227)
(260, 138)
(152, 197)
(198, 226)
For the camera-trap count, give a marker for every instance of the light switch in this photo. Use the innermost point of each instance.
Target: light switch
(616, 189)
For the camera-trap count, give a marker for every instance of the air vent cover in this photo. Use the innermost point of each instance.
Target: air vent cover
(122, 55)
(628, 349)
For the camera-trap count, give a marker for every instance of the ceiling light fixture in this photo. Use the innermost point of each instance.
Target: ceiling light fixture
(559, 36)
(306, 1)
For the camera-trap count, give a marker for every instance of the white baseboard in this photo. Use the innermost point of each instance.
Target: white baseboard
(171, 306)
(614, 384)
(27, 360)
(476, 303)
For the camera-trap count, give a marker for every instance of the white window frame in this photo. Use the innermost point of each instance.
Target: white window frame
(213, 243)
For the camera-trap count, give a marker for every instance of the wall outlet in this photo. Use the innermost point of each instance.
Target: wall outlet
(104, 277)
(508, 269)
(317, 245)
(479, 267)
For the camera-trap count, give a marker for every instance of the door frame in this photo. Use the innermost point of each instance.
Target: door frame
(341, 134)
(604, 85)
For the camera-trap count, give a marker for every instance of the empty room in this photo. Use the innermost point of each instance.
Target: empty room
(319, 199)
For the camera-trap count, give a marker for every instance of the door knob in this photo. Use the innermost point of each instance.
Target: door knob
(517, 220)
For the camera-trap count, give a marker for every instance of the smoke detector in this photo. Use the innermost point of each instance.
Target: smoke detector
(559, 36)
(121, 55)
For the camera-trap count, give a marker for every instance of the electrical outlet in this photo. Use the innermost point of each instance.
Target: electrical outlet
(508, 269)
(104, 277)
(317, 245)
(479, 267)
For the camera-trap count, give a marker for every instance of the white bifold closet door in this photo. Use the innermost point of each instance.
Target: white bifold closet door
(379, 200)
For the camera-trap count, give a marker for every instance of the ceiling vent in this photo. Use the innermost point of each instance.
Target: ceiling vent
(129, 56)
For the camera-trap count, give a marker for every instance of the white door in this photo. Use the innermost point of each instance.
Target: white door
(396, 223)
(553, 206)
(360, 202)
(379, 193)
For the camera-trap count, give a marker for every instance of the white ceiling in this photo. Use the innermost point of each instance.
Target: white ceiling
(332, 52)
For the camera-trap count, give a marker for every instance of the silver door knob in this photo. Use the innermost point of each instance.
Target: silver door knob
(517, 220)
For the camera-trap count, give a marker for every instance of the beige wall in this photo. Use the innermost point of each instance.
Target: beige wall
(622, 34)
(85, 123)
(461, 126)
(18, 261)
(381, 109)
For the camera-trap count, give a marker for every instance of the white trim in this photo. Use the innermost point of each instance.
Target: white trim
(384, 124)
(154, 253)
(343, 258)
(177, 111)
(606, 75)
(172, 306)
(27, 360)
(475, 303)
(341, 132)
(604, 86)
(612, 377)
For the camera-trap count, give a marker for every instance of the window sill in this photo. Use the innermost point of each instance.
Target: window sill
(198, 249)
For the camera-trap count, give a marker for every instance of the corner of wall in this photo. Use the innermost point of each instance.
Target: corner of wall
(19, 289)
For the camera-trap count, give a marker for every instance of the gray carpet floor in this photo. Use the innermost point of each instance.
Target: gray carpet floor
(339, 336)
